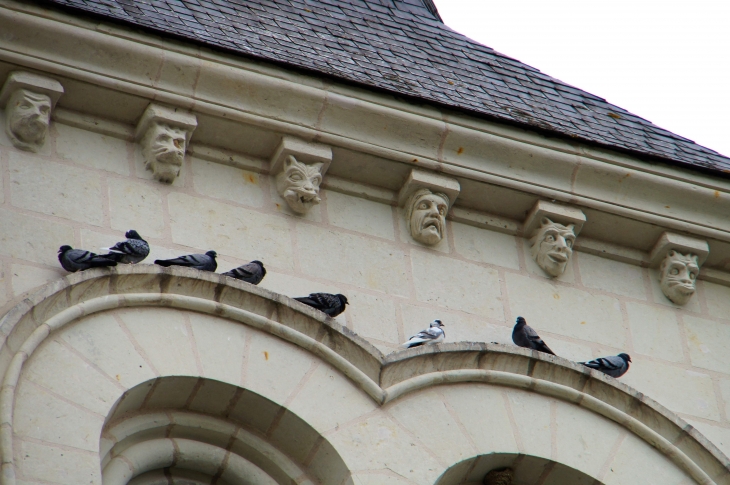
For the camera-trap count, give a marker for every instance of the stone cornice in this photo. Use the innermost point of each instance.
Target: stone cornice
(508, 169)
(383, 378)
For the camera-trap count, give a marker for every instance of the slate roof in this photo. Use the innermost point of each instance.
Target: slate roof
(403, 47)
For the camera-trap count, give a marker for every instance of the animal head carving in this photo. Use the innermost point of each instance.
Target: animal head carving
(28, 115)
(552, 246)
(298, 183)
(163, 147)
(426, 216)
(678, 276)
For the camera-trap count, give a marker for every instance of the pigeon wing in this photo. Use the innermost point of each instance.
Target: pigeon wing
(535, 341)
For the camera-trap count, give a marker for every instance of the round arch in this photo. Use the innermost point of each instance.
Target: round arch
(384, 380)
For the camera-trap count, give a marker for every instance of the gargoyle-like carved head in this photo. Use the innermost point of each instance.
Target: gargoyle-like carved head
(678, 276)
(552, 246)
(298, 183)
(28, 115)
(163, 147)
(426, 216)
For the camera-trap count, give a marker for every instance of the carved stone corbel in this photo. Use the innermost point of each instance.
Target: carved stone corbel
(28, 100)
(552, 229)
(164, 134)
(426, 198)
(678, 259)
(299, 167)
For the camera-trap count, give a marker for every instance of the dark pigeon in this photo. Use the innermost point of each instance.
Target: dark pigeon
(330, 304)
(131, 251)
(252, 272)
(434, 334)
(203, 262)
(525, 336)
(74, 260)
(614, 366)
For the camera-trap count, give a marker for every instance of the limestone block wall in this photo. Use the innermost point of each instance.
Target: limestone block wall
(86, 188)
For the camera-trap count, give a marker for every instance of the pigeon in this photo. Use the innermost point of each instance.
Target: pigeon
(203, 262)
(252, 272)
(433, 335)
(74, 260)
(614, 366)
(131, 251)
(330, 304)
(525, 336)
(503, 476)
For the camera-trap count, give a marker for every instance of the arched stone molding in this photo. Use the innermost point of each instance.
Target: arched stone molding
(386, 380)
(527, 470)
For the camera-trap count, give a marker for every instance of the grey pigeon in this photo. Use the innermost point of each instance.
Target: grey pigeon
(131, 251)
(614, 366)
(328, 303)
(74, 260)
(433, 335)
(503, 476)
(203, 262)
(252, 272)
(525, 336)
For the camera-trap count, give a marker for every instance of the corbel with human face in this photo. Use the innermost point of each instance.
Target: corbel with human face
(678, 276)
(298, 184)
(426, 216)
(552, 246)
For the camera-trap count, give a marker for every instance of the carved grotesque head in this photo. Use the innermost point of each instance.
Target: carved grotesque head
(298, 183)
(552, 246)
(678, 275)
(28, 115)
(163, 148)
(426, 216)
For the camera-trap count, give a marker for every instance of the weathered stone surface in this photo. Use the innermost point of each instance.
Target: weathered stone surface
(456, 284)
(719, 436)
(567, 311)
(367, 263)
(655, 331)
(485, 246)
(532, 420)
(717, 298)
(25, 278)
(373, 317)
(228, 183)
(37, 461)
(707, 342)
(220, 344)
(206, 224)
(360, 215)
(55, 189)
(138, 206)
(92, 149)
(637, 462)
(612, 276)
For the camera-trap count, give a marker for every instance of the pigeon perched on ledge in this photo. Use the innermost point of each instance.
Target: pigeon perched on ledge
(203, 262)
(252, 272)
(614, 366)
(131, 251)
(74, 260)
(328, 303)
(433, 335)
(525, 336)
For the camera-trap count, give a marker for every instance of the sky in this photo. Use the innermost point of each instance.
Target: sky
(666, 61)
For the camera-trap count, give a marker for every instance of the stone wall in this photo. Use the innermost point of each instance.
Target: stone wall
(85, 189)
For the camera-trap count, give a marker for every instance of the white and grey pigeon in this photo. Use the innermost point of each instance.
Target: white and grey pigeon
(434, 334)
(328, 303)
(74, 260)
(203, 262)
(614, 366)
(131, 251)
(525, 336)
(252, 272)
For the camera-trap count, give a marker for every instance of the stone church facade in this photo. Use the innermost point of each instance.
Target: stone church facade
(605, 232)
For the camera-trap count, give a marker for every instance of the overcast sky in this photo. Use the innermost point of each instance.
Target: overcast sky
(666, 61)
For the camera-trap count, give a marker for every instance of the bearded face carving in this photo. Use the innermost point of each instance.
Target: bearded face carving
(163, 147)
(426, 216)
(298, 183)
(552, 246)
(678, 276)
(28, 115)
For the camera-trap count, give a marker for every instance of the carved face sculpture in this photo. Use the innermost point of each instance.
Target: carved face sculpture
(426, 216)
(163, 148)
(298, 183)
(28, 115)
(552, 246)
(678, 276)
